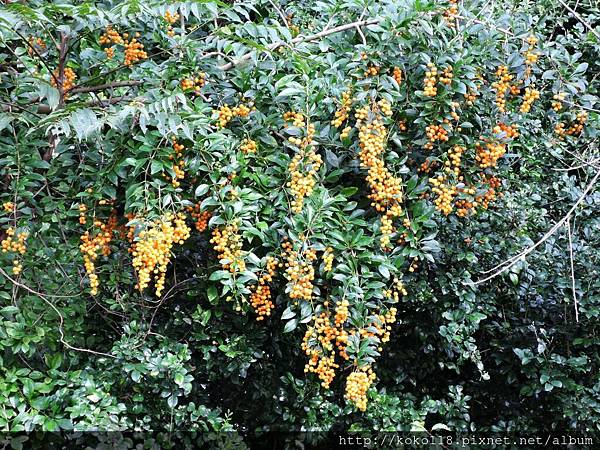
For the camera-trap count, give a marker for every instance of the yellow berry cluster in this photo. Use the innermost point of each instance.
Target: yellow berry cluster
(152, 249)
(8, 206)
(446, 76)
(228, 244)
(371, 71)
(386, 189)
(15, 243)
(248, 146)
(328, 259)
(430, 82)
(454, 159)
(200, 218)
(68, 82)
(501, 85)
(196, 83)
(178, 163)
(398, 289)
(226, 114)
(304, 165)
(82, 211)
(299, 271)
(260, 298)
(531, 56)
(357, 386)
(488, 153)
(557, 100)
(343, 111)
(171, 18)
(445, 194)
(531, 95)
(94, 243)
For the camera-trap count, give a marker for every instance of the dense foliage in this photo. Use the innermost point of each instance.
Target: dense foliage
(332, 215)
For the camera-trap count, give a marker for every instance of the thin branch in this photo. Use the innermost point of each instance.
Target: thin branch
(60, 317)
(301, 39)
(102, 87)
(572, 271)
(504, 266)
(581, 19)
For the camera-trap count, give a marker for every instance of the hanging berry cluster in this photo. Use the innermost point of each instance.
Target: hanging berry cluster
(95, 243)
(194, 84)
(386, 189)
(299, 271)
(226, 114)
(305, 164)
(228, 244)
(68, 80)
(451, 13)
(260, 298)
(171, 18)
(200, 218)
(14, 243)
(151, 250)
(248, 146)
(178, 163)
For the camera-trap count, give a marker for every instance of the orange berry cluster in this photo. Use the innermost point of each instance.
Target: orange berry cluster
(200, 218)
(445, 194)
(397, 75)
(531, 95)
(451, 13)
(110, 37)
(248, 146)
(68, 82)
(304, 165)
(430, 89)
(575, 129)
(491, 194)
(226, 114)
(557, 101)
(178, 163)
(371, 71)
(195, 83)
(510, 131)
(82, 211)
(386, 189)
(95, 243)
(344, 110)
(15, 243)
(35, 43)
(470, 97)
(228, 244)
(357, 385)
(134, 51)
(260, 298)
(501, 85)
(152, 249)
(8, 206)
(328, 259)
(436, 133)
(299, 271)
(318, 343)
(171, 19)
(489, 153)
(446, 76)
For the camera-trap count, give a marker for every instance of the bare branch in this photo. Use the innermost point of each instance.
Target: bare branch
(581, 19)
(572, 271)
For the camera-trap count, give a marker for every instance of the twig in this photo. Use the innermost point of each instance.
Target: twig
(504, 266)
(581, 19)
(572, 271)
(102, 87)
(60, 317)
(301, 39)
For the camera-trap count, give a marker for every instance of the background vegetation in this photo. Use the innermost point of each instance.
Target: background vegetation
(402, 192)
